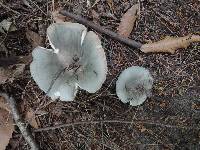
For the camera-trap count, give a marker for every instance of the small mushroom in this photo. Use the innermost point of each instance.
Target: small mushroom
(134, 85)
(76, 59)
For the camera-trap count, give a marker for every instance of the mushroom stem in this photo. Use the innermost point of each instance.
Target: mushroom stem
(103, 30)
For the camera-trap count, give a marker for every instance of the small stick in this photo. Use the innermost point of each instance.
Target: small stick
(103, 30)
(20, 123)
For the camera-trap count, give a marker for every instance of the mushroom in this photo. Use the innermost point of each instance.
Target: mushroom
(134, 85)
(76, 59)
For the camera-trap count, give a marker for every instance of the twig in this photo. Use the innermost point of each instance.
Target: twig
(113, 121)
(103, 30)
(20, 123)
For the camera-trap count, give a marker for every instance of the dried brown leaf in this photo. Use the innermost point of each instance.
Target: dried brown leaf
(31, 118)
(57, 17)
(143, 129)
(34, 38)
(128, 20)
(4, 104)
(195, 106)
(95, 15)
(110, 4)
(6, 124)
(170, 44)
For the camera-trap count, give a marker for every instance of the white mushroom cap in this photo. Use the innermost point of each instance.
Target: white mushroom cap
(134, 85)
(77, 59)
(95, 66)
(44, 69)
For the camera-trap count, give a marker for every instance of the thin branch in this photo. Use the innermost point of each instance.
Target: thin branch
(103, 30)
(20, 123)
(114, 121)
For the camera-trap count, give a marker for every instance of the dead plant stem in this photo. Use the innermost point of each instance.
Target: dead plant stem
(103, 30)
(20, 123)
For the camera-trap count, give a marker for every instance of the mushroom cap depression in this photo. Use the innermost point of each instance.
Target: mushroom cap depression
(134, 85)
(76, 59)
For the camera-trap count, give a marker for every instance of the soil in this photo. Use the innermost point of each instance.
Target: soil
(168, 120)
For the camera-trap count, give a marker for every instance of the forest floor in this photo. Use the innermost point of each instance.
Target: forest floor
(170, 119)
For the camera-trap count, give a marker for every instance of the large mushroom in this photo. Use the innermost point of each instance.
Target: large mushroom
(134, 85)
(76, 59)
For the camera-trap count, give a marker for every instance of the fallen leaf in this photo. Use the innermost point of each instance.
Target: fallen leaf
(170, 44)
(196, 106)
(3, 75)
(163, 104)
(3, 47)
(110, 4)
(4, 104)
(57, 17)
(7, 26)
(8, 74)
(6, 124)
(6, 128)
(143, 129)
(95, 15)
(128, 20)
(34, 38)
(31, 118)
